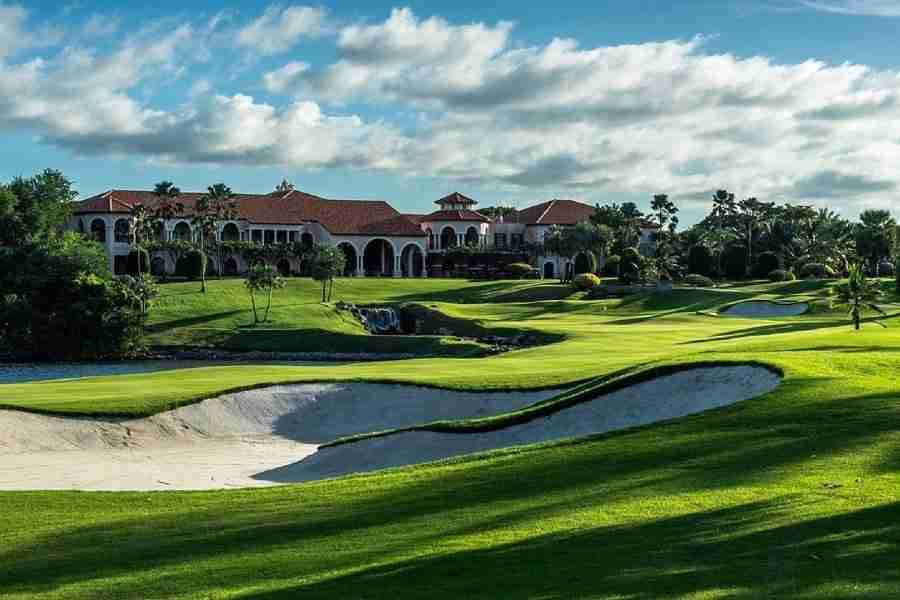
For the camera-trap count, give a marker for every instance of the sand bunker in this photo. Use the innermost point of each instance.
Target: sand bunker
(222, 442)
(668, 397)
(257, 437)
(766, 308)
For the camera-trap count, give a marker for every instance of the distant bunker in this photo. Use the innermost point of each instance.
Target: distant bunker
(761, 309)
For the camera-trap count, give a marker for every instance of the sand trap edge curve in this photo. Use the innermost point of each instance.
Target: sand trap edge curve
(685, 392)
(224, 441)
(766, 308)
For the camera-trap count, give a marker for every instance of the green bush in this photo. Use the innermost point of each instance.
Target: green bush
(585, 262)
(132, 262)
(611, 265)
(585, 282)
(630, 266)
(734, 262)
(697, 280)
(65, 304)
(766, 262)
(885, 268)
(816, 271)
(519, 270)
(776, 275)
(700, 261)
(191, 265)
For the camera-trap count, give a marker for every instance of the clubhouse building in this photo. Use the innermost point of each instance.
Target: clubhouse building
(377, 240)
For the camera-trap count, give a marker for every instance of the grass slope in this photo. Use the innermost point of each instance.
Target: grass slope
(794, 494)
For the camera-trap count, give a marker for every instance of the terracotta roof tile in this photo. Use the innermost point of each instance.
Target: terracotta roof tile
(456, 198)
(348, 217)
(455, 215)
(554, 212)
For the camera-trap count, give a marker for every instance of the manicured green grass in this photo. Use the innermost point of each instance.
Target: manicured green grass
(795, 494)
(299, 322)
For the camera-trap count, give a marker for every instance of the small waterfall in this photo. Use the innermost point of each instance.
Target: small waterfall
(380, 320)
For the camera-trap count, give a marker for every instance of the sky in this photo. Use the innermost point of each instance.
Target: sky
(511, 103)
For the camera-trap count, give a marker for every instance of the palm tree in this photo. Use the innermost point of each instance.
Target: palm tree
(859, 294)
(214, 206)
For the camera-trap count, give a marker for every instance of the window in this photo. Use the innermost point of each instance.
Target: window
(98, 230)
(281, 236)
(123, 232)
(270, 236)
(257, 235)
(499, 240)
(292, 236)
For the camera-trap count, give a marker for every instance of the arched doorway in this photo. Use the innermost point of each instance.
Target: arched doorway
(81, 226)
(231, 233)
(584, 263)
(98, 230)
(349, 258)
(549, 270)
(448, 238)
(182, 232)
(471, 236)
(412, 261)
(231, 266)
(284, 267)
(158, 266)
(378, 258)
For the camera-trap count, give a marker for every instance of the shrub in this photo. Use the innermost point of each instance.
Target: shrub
(585, 281)
(65, 304)
(585, 262)
(816, 271)
(630, 265)
(132, 262)
(734, 262)
(776, 275)
(611, 265)
(766, 262)
(885, 268)
(700, 261)
(697, 280)
(191, 265)
(519, 270)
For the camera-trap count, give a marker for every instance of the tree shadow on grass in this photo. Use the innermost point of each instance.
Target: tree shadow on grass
(737, 551)
(165, 326)
(275, 537)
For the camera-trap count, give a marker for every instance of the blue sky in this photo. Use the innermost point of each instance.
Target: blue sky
(510, 102)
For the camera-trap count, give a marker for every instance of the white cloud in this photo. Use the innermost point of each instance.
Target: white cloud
(477, 108)
(278, 29)
(880, 8)
(14, 36)
(279, 80)
(101, 26)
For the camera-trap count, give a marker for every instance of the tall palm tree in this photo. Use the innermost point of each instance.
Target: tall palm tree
(167, 208)
(859, 294)
(214, 206)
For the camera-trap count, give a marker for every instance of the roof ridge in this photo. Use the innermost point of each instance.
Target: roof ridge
(550, 204)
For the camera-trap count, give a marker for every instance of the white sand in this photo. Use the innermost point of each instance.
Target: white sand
(765, 308)
(221, 442)
(668, 397)
(257, 437)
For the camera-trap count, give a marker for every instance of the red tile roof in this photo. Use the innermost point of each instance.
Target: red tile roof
(553, 212)
(456, 198)
(348, 217)
(455, 215)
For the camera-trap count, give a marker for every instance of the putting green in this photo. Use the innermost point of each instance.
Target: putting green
(794, 494)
